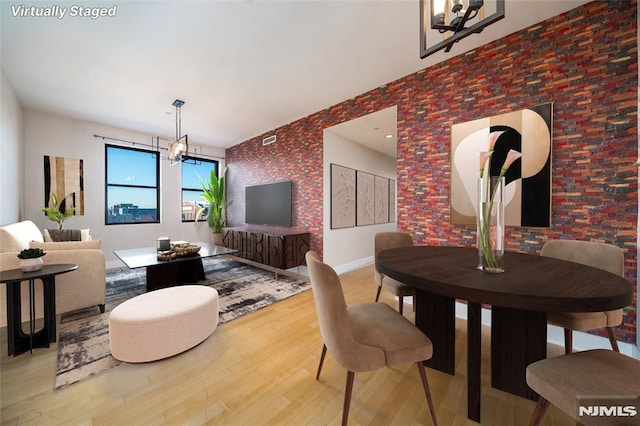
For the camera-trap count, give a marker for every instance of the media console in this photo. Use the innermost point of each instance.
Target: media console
(279, 247)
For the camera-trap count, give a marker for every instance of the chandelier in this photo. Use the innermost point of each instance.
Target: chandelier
(178, 149)
(455, 20)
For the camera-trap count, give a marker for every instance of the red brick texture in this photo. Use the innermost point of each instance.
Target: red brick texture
(584, 61)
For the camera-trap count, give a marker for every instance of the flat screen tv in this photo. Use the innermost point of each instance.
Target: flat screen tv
(268, 204)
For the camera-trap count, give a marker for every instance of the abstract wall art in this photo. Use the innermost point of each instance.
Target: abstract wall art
(366, 212)
(392, 200)
(528, 180)
(382, 199)
(343, 197)
(359, 198)
(64, 177)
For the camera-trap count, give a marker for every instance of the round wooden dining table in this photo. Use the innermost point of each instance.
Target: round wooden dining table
(520, 298)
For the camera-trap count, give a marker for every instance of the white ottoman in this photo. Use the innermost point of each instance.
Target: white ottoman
(162, 323)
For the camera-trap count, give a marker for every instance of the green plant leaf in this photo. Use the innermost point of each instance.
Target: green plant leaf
(215, 197)
(54, 213)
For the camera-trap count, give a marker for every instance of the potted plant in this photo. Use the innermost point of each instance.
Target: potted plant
(31, 259)
(216, 203)
(55, 214)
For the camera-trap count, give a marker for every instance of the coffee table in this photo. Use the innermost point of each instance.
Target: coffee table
(166, 273)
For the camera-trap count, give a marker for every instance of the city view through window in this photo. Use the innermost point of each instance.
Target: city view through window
(192, 170)
(132, 186)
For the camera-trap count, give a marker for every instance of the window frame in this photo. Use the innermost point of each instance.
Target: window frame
(107, 185)
(216, 165)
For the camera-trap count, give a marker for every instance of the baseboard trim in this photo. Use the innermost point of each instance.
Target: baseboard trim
(352, 266)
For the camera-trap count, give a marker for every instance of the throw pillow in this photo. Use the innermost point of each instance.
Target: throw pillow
(67, 245)
(84, 235)
(64, 234)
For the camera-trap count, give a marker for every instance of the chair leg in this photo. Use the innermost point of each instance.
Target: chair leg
(101, 306)
(425, 385)
(324, 352)
(400, 304)
(568, 341)
(347, 397)
(539, 412)
(612, 339)
(378, 293)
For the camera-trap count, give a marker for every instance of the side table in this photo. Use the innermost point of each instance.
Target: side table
(17, 340)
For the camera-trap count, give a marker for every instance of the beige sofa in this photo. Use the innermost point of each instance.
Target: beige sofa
(82, 288)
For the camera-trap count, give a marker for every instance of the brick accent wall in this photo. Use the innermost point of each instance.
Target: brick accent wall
(584, 61)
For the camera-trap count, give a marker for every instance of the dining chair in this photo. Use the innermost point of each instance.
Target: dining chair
(599, 255)
(365, 336)
(385, 241)
(587, 379)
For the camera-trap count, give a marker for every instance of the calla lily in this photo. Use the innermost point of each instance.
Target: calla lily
(492, 138)
(512, 156)
(487, 233)
(484, 157)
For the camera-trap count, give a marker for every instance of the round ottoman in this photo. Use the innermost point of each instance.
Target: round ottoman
(162, 323)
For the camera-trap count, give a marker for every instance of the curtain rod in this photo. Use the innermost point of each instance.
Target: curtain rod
(153, 146)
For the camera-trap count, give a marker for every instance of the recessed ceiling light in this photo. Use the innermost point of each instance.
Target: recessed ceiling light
(389, 136)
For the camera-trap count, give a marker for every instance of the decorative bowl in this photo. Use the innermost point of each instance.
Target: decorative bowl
(166, 255)
(186, 249)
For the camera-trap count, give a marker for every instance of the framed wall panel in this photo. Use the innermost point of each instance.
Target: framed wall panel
(343, 197)
(381, 199)
(392, 200)
(366, 199)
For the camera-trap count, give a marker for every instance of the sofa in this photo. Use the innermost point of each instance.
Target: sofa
(82, 288)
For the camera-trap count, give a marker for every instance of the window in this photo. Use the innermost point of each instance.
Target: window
(131, 185)
(191, 189)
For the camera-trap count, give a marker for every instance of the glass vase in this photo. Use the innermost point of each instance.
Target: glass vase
(490, 224)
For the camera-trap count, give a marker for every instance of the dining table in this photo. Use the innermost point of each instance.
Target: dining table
(519, 299)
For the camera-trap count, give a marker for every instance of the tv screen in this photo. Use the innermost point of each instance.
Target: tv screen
(268, 204)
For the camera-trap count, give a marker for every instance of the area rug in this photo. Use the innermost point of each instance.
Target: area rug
(83, 343)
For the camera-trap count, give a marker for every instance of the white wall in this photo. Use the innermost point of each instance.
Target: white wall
(347, 248)
(11, 157)
(47, 134)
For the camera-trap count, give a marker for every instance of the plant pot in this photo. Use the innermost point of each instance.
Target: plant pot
(31, 265)
(216, 238)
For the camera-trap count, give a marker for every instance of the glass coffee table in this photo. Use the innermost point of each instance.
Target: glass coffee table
(166, 273)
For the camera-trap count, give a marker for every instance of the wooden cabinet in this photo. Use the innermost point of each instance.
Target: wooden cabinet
(281, 248)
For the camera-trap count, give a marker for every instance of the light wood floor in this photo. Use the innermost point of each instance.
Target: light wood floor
(258, 369)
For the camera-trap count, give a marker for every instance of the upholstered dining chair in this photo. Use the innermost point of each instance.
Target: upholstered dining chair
(366, 336)
(599, 255)
(591, 376)
(385, 241)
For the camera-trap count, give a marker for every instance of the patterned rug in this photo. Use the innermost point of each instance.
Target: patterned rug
(83, 344)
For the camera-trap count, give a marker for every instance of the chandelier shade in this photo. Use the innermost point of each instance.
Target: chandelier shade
(179, 149)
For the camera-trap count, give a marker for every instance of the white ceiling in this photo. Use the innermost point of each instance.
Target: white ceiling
(377, 131)
(242, 67)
